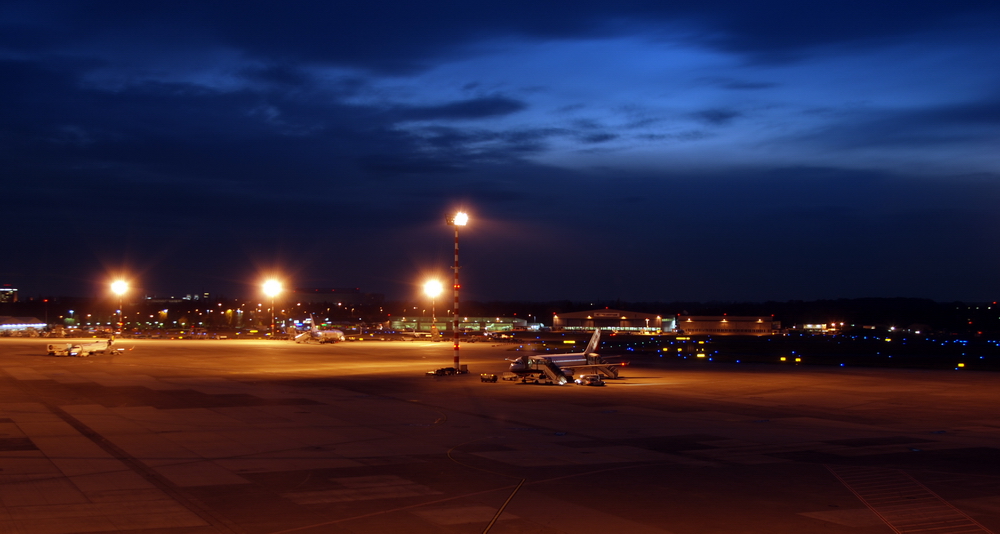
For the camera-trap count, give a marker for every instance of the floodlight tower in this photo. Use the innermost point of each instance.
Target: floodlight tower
(433, 288)
(119, 287)
(459, 219)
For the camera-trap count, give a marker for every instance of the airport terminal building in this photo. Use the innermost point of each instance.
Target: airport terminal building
(606, 319)
(20, 325)
(689, 325)
(465, 324)
(617, 320)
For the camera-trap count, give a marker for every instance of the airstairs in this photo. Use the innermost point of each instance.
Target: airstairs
(554, 373)
(604, 368)
(548, 372)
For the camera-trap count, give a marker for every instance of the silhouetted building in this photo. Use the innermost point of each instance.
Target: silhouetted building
(726, 325)
(608, 319)
(8, 293)
(350, 296)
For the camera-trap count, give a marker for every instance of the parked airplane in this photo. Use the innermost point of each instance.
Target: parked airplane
(317, 335)
(551, 368)
(79, 349)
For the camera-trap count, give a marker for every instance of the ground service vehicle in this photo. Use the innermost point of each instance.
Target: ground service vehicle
(590, 380)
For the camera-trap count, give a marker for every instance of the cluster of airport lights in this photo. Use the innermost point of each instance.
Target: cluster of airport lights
(273, 287)
(155, 324)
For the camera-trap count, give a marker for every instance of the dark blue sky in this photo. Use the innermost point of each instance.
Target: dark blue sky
(709, 150)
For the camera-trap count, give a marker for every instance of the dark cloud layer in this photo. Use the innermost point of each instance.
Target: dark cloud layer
(636, 150)
(466, 109)
(394, 35)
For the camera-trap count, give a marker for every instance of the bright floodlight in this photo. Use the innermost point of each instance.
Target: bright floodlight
(433, 288)
(272, 287)
(119, 287)
(460, 219)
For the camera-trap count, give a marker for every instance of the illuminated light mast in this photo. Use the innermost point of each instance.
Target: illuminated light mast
(119, 287)
(272, 288)
(432, 289)
(459, 219)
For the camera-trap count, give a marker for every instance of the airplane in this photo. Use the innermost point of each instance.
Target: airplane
(550, 368)
(320, 336)
(80, 349)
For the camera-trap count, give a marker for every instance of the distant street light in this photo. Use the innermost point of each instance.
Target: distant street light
(459, 219)
(272, 288)
(119, 287)
(432, 289)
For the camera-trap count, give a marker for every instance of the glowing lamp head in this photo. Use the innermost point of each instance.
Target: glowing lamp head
(272, 288)
(433, 288)
(459, 219)
(119, 287)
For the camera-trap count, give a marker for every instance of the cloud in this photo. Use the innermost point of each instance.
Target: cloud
(779, 31)
(717, 117)
(926, 133)
(386, 165)
(399, 38)
(282, 74)
(598, 137)
(477, 108)
(743, 86)
(736, 84)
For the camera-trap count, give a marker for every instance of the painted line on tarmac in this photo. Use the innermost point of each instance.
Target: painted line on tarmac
(903, 504)
(383, 512)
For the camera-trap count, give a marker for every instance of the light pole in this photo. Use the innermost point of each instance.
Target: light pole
(432, 289)
(271, 288)
(459, 219)
(119, 287)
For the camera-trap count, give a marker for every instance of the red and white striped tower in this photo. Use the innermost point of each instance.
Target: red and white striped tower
(459, 219)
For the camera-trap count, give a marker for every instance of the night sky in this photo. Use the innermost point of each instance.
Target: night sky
(643, 151)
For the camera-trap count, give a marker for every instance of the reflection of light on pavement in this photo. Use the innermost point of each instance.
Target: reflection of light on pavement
(650, 384)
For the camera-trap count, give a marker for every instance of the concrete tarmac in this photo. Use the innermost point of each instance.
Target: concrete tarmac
(270, 437)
